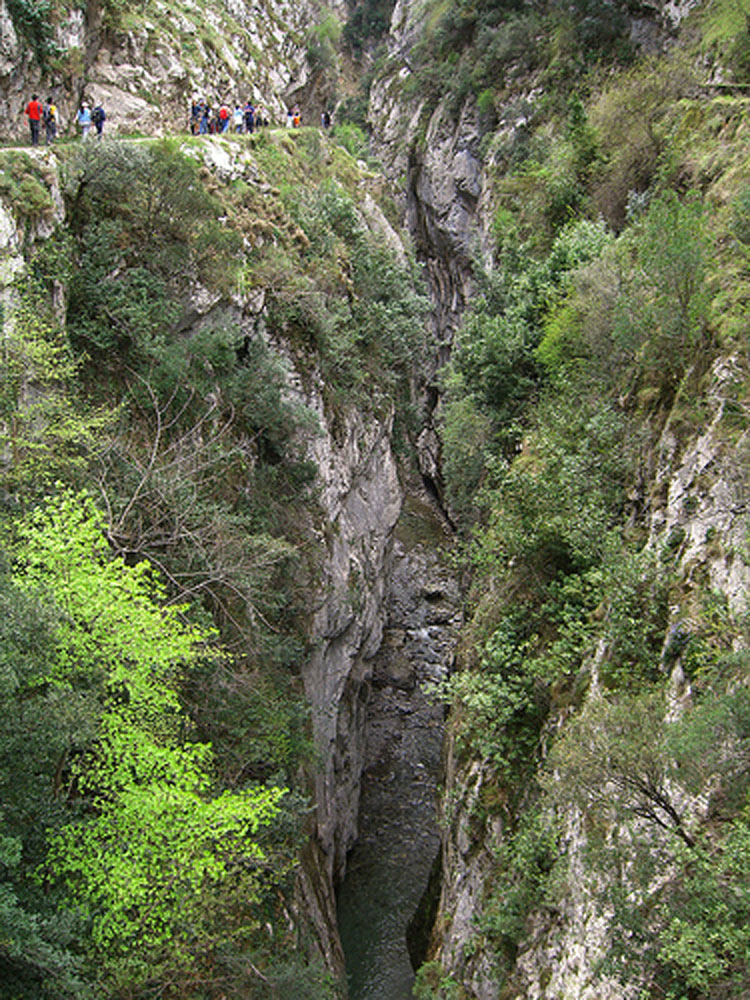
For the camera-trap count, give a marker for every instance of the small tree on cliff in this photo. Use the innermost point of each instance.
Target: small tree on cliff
(156, 846)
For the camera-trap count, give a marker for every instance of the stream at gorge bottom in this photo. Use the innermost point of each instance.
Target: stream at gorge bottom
(388, 869)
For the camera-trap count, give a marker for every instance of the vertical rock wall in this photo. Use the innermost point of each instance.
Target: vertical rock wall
(389, 868)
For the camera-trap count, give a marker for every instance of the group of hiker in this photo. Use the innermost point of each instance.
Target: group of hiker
(203, 118)
(46, 114)
(88, 116)
(206, 120)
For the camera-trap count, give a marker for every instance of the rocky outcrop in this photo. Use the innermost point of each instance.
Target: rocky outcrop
(699, 493)
(146, 68)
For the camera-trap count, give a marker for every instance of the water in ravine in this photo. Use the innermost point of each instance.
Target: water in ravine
(389, 868)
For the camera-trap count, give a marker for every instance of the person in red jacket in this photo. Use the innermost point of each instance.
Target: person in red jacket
(34, 114)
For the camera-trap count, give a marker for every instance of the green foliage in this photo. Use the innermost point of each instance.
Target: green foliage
(556, 505)
(529, 660)
(356, 304)
(469, 50)
(368, 21)
(663, 312)
(467, 432)
(22, 185)
(114, 12)
(636, 621)
(524, 861)
(204, 480)
(354, 140)
(740, 223)
(34, 22)
(637, 104)
(137, 256)
(151, 803)
(601, 27)
(500, 707)
(494, 371)
(433, 984)
(322, 42)
(41, 728)
(612, 762)
(704, 946)
(678, 894)
(45, 429)
(158, 844)
(726, 35)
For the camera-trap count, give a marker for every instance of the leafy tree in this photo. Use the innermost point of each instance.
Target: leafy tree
(45, 429)
(703, 915)
(136, 256)
(158, 845)
(613, 757)
(662, 312)
(42, 727)
(678, 890)
(636, 621)
(495, 371)
(500, 706)
(637, 105)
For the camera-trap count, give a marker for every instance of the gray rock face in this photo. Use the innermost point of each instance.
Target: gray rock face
(398, 840)
(147, 75)
(699, 497)
(361, 499)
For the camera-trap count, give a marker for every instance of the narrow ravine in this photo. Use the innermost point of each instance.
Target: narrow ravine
(389, 867)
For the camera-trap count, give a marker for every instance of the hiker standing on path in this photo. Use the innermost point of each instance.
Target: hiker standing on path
(196, 110)
(49, 117)
(84, 119)
(205, 118)
(98, 117)
(249, 113)
(34, 114)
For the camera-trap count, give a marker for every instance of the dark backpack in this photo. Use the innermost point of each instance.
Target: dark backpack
(98, 116)
(48, 114)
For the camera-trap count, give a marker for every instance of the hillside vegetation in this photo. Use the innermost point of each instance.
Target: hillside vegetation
(608, 335)
(157, 510)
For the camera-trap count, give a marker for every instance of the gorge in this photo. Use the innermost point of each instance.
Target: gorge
(411, 457)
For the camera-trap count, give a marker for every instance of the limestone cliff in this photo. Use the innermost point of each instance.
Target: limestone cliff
(148, 64)
(349, 533)
(692, 505)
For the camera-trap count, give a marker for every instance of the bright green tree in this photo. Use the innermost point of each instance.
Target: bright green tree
(158, 844)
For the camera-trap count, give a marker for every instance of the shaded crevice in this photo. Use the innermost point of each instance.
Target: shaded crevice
(391, 866)
(419, 928)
